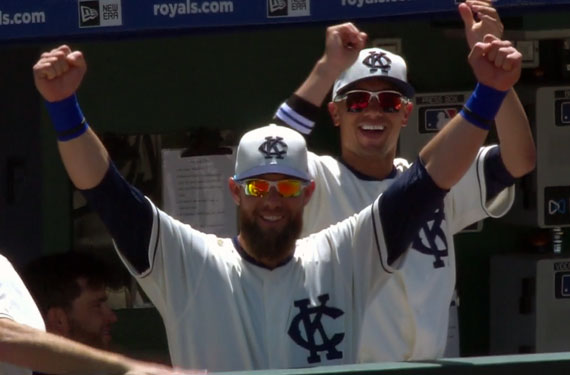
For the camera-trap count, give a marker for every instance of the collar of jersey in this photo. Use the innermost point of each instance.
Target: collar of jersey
(365, 177)
(251, 260)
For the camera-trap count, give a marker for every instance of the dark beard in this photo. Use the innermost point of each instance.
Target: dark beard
(77, 333)
(270, 244)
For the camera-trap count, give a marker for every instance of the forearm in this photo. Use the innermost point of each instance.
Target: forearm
(448, 156)
(516, 142)
(85, 159)
(319, 82)
(30, 348)
(84, 156)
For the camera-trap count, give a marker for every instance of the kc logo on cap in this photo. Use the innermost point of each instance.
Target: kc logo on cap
(273, 147)
(375, 63)
(378, 60)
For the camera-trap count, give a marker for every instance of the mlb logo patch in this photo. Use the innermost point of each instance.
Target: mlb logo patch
(435, 118)
(288, 8)
(96, 13)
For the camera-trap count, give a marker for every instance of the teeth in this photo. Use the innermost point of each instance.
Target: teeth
(272, 218)
(372, 127)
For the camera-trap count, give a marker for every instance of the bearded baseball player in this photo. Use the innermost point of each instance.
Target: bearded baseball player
(265, 299)
(371, 102)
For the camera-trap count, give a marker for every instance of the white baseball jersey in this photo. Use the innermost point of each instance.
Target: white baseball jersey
(16, 304)
(408, 319)
(224, 313)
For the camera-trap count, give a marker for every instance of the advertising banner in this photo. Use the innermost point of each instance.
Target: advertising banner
(52, 19)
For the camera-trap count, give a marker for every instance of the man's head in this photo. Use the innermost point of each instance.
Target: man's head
(271, 186)
(371, 102)
(70, 291)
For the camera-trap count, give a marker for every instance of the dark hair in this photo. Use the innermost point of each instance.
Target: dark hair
(52, 279)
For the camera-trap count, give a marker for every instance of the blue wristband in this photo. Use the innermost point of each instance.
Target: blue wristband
(67, 118)
(483, 105)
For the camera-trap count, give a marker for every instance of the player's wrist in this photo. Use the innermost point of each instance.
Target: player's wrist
(327, 69)
(483, 105)
(67, 118)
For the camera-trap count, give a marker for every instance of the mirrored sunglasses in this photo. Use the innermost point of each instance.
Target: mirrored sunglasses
(358, 100)
(257, 187)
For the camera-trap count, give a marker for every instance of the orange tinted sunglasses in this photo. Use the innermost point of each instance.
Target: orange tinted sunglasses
(257, 187)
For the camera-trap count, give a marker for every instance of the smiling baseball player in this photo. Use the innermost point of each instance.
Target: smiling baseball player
(265, 299)
(371, 102)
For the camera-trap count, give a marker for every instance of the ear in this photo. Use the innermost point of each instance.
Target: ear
(234, 190)
(408, 110)
(57, 321)
(308, 192)
(333, 111)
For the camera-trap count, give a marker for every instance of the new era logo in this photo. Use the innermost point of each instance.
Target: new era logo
(288, 8)
(276, 6)
(88, 13)
(93, 13)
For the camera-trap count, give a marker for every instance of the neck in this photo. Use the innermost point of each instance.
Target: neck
(269, 262)
(370, 165)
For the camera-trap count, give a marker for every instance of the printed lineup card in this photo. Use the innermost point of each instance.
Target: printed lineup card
(195, 191)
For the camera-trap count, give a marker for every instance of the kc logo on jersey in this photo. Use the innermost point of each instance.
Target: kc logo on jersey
(377, 61)
(315, 339)
(431, 238)
(273, 147)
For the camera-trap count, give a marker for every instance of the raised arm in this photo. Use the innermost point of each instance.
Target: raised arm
(419, 191)
(516, 143)
(497, 66)
(342, 45)
(58, 75)
(30, 348)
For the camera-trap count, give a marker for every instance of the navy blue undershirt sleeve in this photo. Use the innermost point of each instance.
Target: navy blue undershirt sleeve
(406, 205)
(127, 215)
(497, 177)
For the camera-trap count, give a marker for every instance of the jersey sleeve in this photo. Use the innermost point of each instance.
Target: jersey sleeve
(376, 238)
(177, 255)
(126, 213)
(469, 197)
(297, 113)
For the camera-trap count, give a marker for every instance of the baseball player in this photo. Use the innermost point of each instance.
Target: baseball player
(265, 299)
(371, 101)
(70, 290)
(25, 345)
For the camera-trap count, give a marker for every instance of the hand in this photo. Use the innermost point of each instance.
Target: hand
(480, 19)
(59, 72)
(496, 63)
(342, 46)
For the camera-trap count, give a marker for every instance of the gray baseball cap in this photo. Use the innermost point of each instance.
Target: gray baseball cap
(272, 149)
(376, 62)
